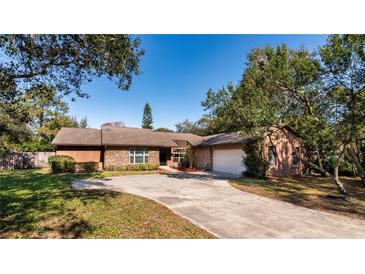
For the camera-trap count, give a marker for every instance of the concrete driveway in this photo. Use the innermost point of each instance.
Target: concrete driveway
(209, 201)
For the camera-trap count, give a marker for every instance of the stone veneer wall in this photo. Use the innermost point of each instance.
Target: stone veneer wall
(119, 156)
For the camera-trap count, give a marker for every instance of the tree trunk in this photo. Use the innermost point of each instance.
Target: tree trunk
(320, 161)
(321, 170)
(337, 181)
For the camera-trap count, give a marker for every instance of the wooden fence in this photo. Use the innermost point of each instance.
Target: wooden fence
(25, 160)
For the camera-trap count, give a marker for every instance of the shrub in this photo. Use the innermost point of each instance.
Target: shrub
(61, 163)
(89, 166)
(347, 168)
(110, 168)
(188, 160)
(134, 167)
(254, 160)
(119, 168)
(141, 167)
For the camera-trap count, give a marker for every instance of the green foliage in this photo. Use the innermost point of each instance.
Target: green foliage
(64, 62)
(147, 117)
(142, 167)
(113, 124)
(343, 58)
(254, 159)
(134, 167)
(222, 108)
(163, 129)
(61, 163)
(43, 103)
(13, 125)
(201, 127)
(36, 144)
(83, 123)
(188, 160)
(89, 166)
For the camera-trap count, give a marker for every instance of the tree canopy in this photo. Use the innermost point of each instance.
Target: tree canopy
(64, 62)
(163, 129)
(204, 126)
(114, 124)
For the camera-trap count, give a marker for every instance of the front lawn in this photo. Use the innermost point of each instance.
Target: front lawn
(37, 204)
(312, 192)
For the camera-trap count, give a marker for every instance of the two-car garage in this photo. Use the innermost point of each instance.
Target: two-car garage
(228, 161)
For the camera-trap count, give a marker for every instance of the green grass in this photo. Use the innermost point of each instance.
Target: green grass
(107, 173)
(37, 204)
(312, 192)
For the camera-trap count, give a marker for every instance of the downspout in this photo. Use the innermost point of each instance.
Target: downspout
(102, 148)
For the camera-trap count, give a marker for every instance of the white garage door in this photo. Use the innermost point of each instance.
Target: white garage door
(228, 161)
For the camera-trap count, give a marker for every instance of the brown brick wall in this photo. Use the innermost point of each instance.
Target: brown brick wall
(283, 142)
(116, 156)
(119, 156)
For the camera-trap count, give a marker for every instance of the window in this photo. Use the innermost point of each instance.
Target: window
(294, 156)
(138, 155)
(272, 155)
(178, 154)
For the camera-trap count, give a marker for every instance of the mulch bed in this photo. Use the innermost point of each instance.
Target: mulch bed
(183, 169)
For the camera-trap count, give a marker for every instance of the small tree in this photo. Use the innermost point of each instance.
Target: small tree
(163, 129)
(83, 123)
(147, 117)
(114, 124)
(254, 159)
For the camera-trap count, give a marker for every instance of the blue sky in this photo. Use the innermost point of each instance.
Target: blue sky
(177, 71)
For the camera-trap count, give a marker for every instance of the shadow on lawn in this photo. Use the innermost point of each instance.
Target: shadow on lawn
(311, 192)
(201, 176)
(38, 205)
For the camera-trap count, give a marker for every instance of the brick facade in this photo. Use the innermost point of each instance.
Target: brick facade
(154, 154)
(119, 156)
(282, 166)
(284, 141)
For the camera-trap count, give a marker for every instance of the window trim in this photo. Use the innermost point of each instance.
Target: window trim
(132, 154)
(181, 154)
(294, 155)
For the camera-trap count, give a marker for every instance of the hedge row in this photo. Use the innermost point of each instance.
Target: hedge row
(61, 163)
(64, 163)
(135, 167)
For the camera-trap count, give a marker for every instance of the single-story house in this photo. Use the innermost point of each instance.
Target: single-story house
(118, 146)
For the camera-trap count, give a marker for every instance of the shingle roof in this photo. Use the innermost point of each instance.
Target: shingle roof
(223, 139)
(78, 136)
(144, 137)
(124, 136)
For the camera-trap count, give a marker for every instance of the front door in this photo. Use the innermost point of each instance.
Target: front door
(163, 157)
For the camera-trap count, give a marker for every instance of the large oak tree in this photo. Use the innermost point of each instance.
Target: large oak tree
(61, 63)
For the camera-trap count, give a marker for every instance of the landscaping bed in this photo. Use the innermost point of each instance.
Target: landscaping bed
(38, 204)
(311, 192)
(186, 169)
